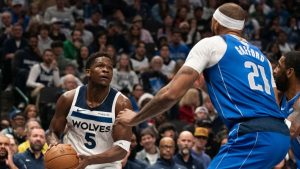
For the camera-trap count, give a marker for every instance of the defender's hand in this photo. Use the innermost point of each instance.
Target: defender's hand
(125, 117)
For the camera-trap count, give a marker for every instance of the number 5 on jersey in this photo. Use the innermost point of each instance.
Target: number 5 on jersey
(90, 138)
(257, 72)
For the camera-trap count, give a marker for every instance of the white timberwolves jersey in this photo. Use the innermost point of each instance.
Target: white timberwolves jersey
(89, 131)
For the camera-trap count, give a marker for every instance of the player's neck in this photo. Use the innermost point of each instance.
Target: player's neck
(292, 90)
(96, 95)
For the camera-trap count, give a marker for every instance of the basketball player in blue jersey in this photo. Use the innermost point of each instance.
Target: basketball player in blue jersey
(240, 85)
(287, 78)
(85, 118)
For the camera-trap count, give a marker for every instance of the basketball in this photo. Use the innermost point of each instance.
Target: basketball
(61, 156)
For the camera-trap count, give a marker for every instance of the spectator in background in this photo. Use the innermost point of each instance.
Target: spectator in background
(44, 39)
(150, 152)
(99, 44)
(19, 15)
(81, 61)
(160, 10)
(187, 105)
(90, 8)
(31, 112)
(71, 47)
(153, 79)
(184, 156)
(138, 8)
(17, 129)
(13, 145)
(145, 35)
(116, 38)
(77, 9)
(10, 46)
(59, 59)
(166, 150)
(137, 92)
(201, 113)
(55, 32)
(59, 11)
(131, 162)
(6, 26)
(283, 44)
(30, 125)
(123, 76)
(34, 13)
(95, 24)
(166, 30)
(181, 15)
(168, 64)
(6, 163)
(70, 82)
(198, 151)
(45, 74)
(23, 61)
(178, 49)
(139, 60)
(167, 130)
(33, 156)
(86, 35)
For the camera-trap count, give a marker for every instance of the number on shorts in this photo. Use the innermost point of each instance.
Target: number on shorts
(257, 72)
(90, 138)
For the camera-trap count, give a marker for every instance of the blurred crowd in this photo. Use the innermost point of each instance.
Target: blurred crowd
(44, 46)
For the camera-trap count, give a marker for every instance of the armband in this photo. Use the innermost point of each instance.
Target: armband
(124, 144)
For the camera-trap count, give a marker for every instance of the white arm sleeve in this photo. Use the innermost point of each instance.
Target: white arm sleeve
(32, 77)
(206, 53)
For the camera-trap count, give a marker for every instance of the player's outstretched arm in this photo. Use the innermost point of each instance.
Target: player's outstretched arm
(164, 99)
(295, 119)
(121, 135)
(58, 122)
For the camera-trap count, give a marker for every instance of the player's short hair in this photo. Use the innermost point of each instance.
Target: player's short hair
(90, 61)
(292, 60)
(233, 10)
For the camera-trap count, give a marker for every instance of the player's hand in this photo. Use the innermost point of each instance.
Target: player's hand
(83, 162)
(125, 117)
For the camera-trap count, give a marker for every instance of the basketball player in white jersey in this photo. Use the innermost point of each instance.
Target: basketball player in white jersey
(89, 113)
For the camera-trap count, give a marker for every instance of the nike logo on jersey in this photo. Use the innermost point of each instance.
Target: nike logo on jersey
(80, 110)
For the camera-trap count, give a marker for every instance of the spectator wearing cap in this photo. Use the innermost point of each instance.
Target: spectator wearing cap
(97, 23)
(17, 129)
(55, 32)
(201, 113)
(59, 11)
(86, 35)
(198, 151)
(18, 13)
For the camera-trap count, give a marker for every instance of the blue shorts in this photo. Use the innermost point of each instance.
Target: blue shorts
(253, 146)
(295, 145)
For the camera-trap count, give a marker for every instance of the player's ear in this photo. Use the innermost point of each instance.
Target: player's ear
(87, 72)
(290, 72)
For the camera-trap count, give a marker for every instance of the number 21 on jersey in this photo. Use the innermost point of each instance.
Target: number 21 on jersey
(257, 72)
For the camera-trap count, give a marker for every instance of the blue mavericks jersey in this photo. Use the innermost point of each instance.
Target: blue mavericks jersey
(239, 85)
(287, 106)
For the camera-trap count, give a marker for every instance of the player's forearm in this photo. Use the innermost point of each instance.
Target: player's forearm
(162, 102)
(52, 138)
(115, 153)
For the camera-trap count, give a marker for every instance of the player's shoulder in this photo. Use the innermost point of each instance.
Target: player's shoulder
(211, 42)
(68, 95)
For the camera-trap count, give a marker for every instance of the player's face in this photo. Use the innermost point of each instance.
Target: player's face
(280, 75)
(101, 71)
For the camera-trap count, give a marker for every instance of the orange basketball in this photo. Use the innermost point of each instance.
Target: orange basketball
(61, 156)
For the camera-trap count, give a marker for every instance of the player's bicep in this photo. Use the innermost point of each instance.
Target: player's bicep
(121, 132)
(63, 105)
